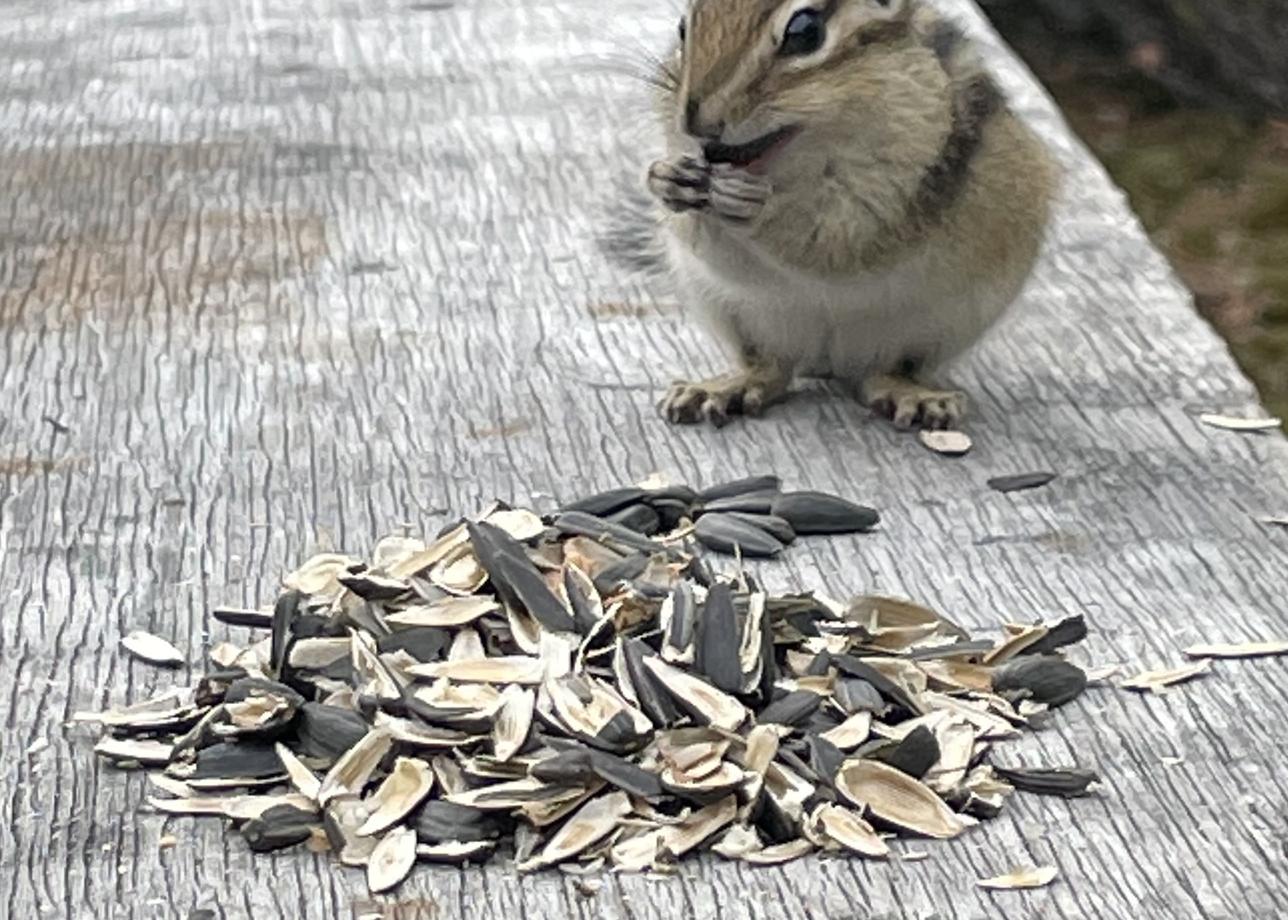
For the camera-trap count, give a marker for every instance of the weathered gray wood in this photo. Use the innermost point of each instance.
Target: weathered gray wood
(293, 274)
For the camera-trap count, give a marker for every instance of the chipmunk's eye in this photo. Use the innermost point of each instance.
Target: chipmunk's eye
(804, 33)
(681, 30)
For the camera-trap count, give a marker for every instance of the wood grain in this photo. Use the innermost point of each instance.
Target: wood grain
(278, 277)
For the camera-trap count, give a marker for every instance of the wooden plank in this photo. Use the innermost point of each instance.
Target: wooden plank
(282, 277)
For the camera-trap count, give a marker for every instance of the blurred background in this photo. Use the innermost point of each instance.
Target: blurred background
(1186, 104)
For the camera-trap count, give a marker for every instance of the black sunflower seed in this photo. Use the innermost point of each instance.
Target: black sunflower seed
(699, 573)
(316, 626)
(1041, 678)
(1020, 481)
(640, 518)
(822, 721)
(516, 579)
(677, 493)
(776, 527)
(578, 523)
(571, 767)
(602, 504)
(716, 654)
(855, 694)
(790, 709)
(583, 607)
(820, 513)
(670, 511)
(325, 732)
(654, 701)
(424, 643)
(446, 822)
(1066, 782)
(613, 574)
(825, 758)
(240, 616)
(626, 776)
(726, 534)
(891, 691)
(773, 821)
(819, 665)
(791, 759)
(747, 503)
(279, 827)
(915, 754)
(740, 487)
(617, 734)
(681, 630)
(285, 611)
(248, 759)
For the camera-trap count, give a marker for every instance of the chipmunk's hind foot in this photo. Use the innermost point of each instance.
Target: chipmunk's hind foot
(912, 405)
(741, 392)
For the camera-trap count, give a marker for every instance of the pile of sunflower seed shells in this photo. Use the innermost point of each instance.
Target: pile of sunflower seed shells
(582, 688)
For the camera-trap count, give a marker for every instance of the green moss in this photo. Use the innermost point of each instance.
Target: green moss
(1197, 241)
(1265, 358)
(1270, 211)
(1157, 179)
(1272, 275)
(1160, 161)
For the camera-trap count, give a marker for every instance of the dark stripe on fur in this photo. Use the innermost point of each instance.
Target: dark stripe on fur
(943, 181)
(944, 39)
(941, 186)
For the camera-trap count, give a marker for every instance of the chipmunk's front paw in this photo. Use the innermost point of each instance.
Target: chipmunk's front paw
(737, 195)
(692, 184)
(681, 185)
(911, 405)
(717, 400)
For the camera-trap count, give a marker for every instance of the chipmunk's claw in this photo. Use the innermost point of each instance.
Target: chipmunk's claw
(688, 403)
(681, 185)
(737, 195)
(911, 405)
(718, 400)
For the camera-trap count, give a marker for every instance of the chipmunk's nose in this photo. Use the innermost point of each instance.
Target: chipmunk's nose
(696, 126)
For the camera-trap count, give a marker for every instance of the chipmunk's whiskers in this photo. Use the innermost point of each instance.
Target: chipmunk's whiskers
(636, 61)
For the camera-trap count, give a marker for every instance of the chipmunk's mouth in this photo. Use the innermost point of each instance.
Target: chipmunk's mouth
(752, 156)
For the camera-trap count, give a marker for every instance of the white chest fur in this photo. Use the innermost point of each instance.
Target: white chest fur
(919, 308)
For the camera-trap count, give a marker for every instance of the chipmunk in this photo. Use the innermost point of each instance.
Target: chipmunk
(845, 193)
